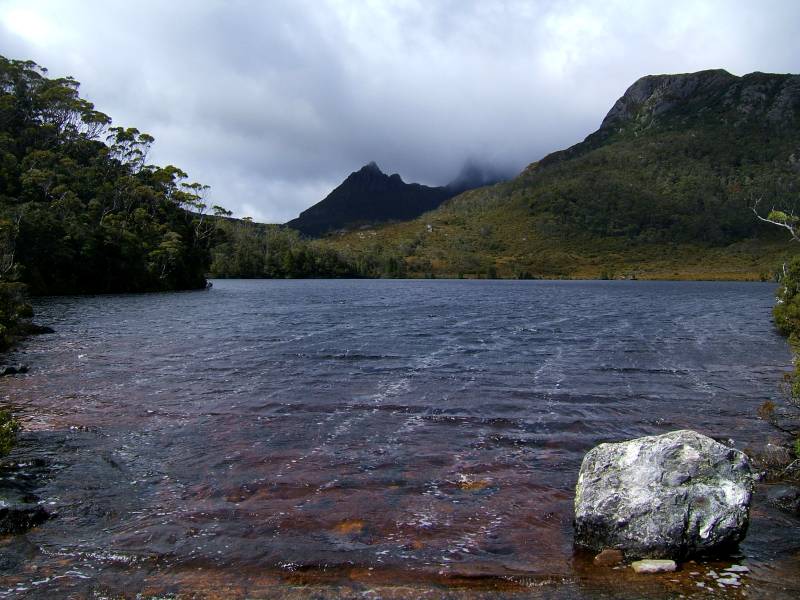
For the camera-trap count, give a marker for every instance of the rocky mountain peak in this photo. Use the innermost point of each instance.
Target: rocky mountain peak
(371, 167)
(371, 177)
(368, 196)
(653, 95)
(713, 93)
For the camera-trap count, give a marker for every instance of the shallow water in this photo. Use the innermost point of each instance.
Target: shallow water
(423, 437)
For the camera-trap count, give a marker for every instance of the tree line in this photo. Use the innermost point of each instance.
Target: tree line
(81, 209)
(244, 249)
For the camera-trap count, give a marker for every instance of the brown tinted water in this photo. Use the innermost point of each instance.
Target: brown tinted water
(372, 438)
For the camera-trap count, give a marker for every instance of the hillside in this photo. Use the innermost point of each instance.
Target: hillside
(369, 196)
(663, 189)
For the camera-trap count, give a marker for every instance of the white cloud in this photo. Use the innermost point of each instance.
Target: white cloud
(30, 25)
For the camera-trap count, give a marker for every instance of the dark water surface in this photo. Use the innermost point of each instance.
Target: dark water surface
(410, 437)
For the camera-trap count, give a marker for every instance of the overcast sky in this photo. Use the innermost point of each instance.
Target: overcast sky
(274, 102)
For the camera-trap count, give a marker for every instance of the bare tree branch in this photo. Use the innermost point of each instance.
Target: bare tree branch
(787, 220)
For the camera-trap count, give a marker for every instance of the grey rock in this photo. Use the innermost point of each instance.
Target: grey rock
(737, 569)
(653, 95)
(654, 566)
(786, 497)
(771, 456)
(666, 496)
(787, 101)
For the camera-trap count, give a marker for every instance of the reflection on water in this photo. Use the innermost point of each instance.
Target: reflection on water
(423, 437)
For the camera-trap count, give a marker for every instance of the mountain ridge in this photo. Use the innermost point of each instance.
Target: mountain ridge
(676, 162)
(652, 99)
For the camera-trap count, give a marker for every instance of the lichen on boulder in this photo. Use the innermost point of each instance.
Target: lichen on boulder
(666, 496)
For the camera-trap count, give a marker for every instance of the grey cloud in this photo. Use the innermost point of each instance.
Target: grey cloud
(274, 103)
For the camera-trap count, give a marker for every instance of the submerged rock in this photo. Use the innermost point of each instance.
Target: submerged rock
(654, 566)
(786, 497)
(13, 370)
(737, 569)
(771, 456)
(34, 329)
(609, 557)
(665, 496)
(18, 515)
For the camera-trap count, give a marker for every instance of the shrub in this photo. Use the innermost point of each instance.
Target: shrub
(787, 309)
(13, 308)
(8, 432)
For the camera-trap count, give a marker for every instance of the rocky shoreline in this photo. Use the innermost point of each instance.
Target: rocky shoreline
(776, 461)
(20, 508)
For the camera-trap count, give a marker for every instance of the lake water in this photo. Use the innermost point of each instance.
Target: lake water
(421, 438)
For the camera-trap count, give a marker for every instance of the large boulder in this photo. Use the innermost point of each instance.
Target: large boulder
(663, 496)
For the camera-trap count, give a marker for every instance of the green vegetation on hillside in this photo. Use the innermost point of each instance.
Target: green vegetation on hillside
(787, 320)
(787, 309)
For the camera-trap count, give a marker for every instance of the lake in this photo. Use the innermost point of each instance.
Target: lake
(293, 438)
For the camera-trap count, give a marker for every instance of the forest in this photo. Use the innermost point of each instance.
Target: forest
(82, 209)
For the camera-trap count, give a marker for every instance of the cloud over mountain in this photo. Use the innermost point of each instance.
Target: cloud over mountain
(273, 103)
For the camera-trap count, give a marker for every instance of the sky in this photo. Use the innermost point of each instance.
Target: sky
(273, 103)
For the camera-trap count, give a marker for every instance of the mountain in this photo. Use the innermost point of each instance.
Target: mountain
(664, 188)
(369, 196)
